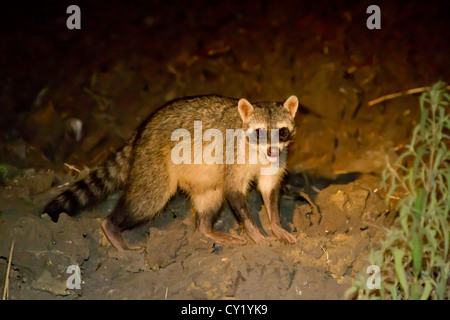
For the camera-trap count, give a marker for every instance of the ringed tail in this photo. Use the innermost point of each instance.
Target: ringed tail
(103, 181)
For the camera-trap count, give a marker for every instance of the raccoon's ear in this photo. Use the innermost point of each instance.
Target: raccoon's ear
(245, 109)
(291, 105)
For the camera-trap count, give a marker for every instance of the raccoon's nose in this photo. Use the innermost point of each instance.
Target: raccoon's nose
(273, 151)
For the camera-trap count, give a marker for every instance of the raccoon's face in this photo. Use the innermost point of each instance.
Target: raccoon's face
(270, 125)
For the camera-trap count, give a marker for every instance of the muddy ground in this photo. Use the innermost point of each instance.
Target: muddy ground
(131, 57)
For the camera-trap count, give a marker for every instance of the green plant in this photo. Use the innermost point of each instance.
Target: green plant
(414, 256)
(3, 171)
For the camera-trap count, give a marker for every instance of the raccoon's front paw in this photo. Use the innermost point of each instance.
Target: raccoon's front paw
(225, 238)
(259, 238)
(283, 235)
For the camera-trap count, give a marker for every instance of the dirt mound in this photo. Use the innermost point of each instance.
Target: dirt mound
(180, 263)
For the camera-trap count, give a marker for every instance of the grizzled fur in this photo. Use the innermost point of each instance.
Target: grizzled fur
(144, 170)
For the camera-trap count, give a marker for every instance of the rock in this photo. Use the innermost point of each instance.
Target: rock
(339, 199)
(344, 208)
(46, 282)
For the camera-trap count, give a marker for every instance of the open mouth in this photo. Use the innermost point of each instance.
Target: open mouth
(273, 154)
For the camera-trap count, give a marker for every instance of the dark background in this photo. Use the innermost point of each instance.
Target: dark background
(143, 53)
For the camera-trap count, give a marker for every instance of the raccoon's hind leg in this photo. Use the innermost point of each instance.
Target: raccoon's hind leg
(207, 204)
(144, 198)
(118, 221)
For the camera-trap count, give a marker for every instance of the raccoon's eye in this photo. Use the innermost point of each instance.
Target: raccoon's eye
(284, 134)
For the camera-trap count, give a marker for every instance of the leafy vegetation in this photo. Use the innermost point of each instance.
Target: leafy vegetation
(414, 256)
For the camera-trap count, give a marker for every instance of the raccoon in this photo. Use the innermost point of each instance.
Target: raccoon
(147, 173)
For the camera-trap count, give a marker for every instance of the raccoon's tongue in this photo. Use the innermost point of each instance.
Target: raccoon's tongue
(273, 154)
